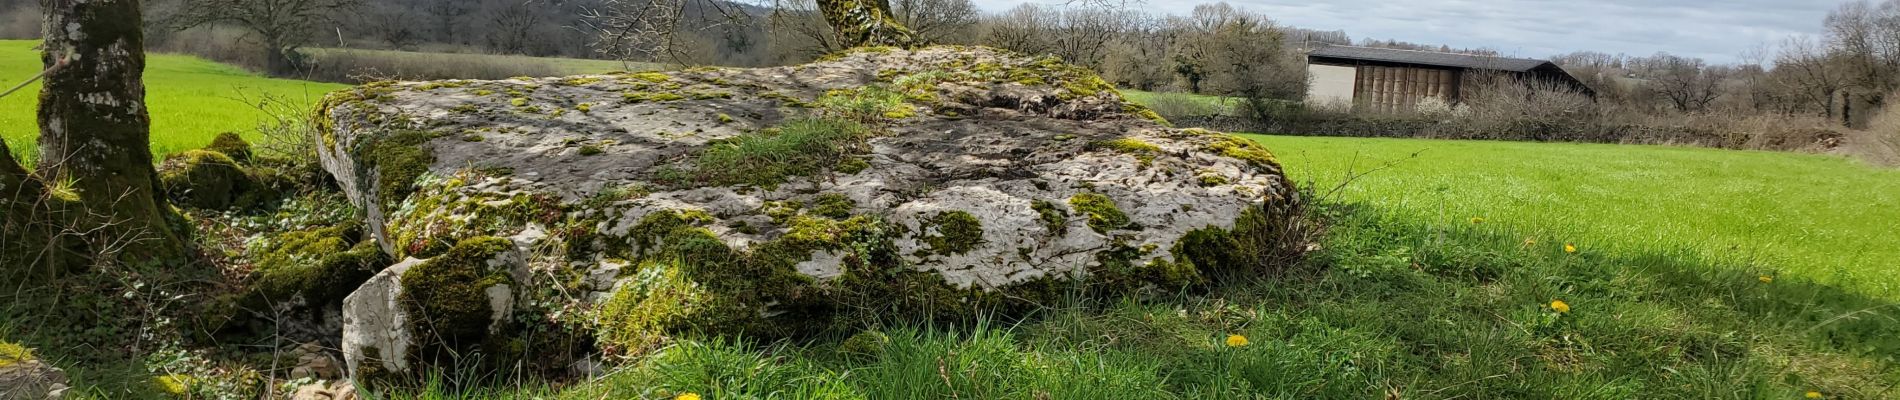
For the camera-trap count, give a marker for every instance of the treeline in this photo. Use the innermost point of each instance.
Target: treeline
(1125, 44)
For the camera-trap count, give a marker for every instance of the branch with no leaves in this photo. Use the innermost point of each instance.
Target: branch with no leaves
(36, 78)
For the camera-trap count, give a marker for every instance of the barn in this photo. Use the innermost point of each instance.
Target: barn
(1392, 80)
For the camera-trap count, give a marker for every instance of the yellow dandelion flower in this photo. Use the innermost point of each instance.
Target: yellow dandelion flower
(687, 396)
(1477, 220)
(1813, 395)
(1765, 279)
(1560, 306)
(1236, 341)
(1570, 248)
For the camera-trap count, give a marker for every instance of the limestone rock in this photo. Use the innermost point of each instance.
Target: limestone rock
(426, 311)
(31, 380)
(779, 201)
(331, 390)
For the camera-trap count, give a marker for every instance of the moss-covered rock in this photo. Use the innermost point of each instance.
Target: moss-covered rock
(453, 311)
(457, 294)
(1101, 211)
(884, 183)
(230, 144)
(206, 179)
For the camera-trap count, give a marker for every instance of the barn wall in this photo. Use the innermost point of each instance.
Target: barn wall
(1331, 84)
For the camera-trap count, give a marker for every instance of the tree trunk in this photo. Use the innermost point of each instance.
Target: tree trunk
(94, 131)
(866, 23)
(275, 62)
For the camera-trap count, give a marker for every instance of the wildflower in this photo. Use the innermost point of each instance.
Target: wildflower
(1236, 341)
(1560, 306)
(1765, 279)
(1477, 220)
(1813, 394)
(1570, 248)
(687, 396)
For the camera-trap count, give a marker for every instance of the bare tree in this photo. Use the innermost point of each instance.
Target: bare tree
(804, 30)
(628, 29)
(512, 24)
(393, 23)
(283, 25)
(936, 21)
(448, 14)
(1024, 28)
(1805, 69)
(1240, 54)
(1688, 84)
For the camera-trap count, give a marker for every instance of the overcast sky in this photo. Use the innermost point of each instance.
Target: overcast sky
(1716, 30)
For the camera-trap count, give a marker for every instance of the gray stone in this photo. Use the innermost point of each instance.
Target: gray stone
(1005, 139)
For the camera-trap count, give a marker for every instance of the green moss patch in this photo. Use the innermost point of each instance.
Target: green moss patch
(1247, 150)
(643, 97)
(1053, 218)
(208, 180)
(1102, 213)
(953, 232)
(399, 158)
(800, 147)
(448, 297)
(230, 144)
(833, 205)
(13, 353)
(322, 265)
(1142, 151)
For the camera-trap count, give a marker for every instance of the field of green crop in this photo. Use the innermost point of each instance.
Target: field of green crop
(191, 99)
(1827, 218)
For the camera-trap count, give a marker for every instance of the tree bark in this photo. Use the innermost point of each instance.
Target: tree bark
(94, 130)
(866, 23)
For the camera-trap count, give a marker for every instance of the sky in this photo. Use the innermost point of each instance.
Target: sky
(1716, 30)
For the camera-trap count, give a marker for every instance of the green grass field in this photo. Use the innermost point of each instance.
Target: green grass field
(1827, 218)
(191, 99)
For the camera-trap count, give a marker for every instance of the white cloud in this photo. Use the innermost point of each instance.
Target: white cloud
(1720, 31)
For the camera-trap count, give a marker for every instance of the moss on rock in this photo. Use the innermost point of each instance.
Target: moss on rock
(399, 158)
(231, 145)
(1103, 215)
(953, 232)
(448, 296)
(205, 179)
(1250, 151)
(322, 265)
(1053, 218)
(1142, 151)
(833, 205)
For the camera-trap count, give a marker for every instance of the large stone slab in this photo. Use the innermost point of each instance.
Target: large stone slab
(981, 179)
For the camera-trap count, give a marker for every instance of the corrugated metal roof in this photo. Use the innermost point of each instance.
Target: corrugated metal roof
(1428, 58)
